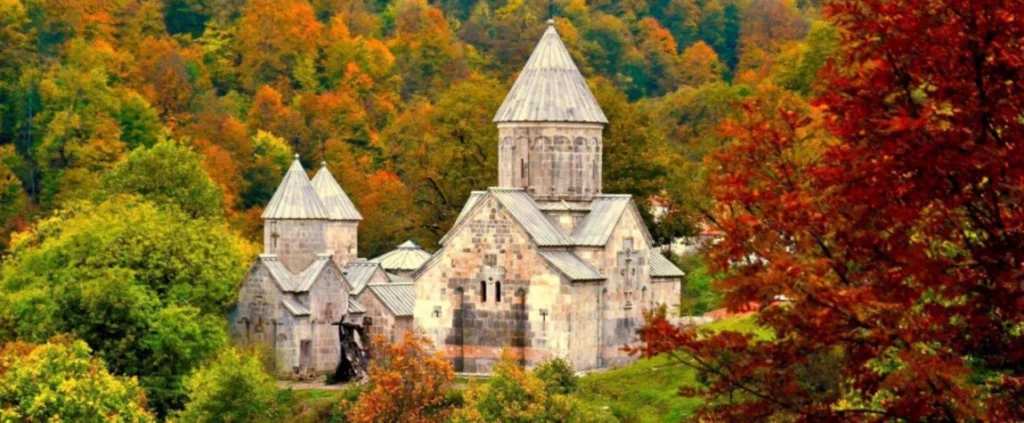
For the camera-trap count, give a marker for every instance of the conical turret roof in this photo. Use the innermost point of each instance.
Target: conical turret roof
(295, 197)
(550, 88)
(339, 206)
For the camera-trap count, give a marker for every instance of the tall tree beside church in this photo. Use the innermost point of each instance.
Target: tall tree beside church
(897, 248)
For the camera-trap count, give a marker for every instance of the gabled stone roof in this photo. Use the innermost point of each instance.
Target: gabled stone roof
(354, 306)
(605, 211)
(550, 88)
(399, 298)
(294, 306)
(521, 206)
(407, 256)
(295, 197)
(524, 210)
(662, 267)
(290, 282)
(339, 206)
(358, 273)
(570, 265)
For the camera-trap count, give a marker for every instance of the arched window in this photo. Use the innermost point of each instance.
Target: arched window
(497, 292)
(483, 291)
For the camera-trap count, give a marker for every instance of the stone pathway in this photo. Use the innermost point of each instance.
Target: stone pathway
(300, 386)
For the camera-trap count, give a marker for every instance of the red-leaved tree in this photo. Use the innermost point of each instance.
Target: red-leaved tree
(891, 219)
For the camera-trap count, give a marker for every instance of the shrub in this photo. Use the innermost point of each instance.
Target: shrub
(60, 381)
(233, 387)
(407, 383)
(558, 376)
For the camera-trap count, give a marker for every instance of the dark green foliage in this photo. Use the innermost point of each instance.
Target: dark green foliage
(699, 293)
(167, 174)
(558, 376)
(144, 287)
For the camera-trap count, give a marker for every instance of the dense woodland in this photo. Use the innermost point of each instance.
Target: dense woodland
(396, 96)
(861, 157)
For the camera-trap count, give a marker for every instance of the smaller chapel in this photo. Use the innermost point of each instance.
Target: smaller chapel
(299, 296)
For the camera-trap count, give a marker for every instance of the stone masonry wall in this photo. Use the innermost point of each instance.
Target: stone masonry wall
(259, 312)
(551, 161)
(488, 251)
(295, 242)
(342, 237)
(628, 273)
(327, 300)
(382, 319)
(667, 291)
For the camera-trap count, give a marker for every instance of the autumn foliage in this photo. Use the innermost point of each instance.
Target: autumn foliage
(888, 221)
(408, 382)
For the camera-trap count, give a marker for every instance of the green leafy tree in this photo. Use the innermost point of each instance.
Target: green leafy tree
(167, 174)
(798, 65)
(144, 286)
(271, 158)
(233, 387)
(60, 381)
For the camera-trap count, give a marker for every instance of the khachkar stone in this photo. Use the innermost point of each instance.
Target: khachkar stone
(549, 128)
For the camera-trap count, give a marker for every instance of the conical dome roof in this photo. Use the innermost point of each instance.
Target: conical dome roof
(408, 256)
(339, 206)
(550, 88)
(295, 197)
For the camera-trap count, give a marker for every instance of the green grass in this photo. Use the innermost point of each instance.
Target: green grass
(645, 391)
(648, 390)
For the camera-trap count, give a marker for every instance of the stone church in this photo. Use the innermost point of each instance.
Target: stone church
(545, 264)
(308, 284)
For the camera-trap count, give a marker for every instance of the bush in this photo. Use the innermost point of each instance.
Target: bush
(234, 387)
(408, 383)
(60, 381)
(514, 394)
(558, 376)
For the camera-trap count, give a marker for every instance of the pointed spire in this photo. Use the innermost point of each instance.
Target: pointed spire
(339, 206)
(550, 88)
(295, 198)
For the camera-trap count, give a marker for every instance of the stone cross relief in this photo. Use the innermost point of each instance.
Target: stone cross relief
(627, 262)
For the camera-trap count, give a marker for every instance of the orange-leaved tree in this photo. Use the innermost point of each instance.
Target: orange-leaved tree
(408, 382)
(891, 224)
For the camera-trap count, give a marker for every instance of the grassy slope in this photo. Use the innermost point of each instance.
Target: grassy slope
(648, 390)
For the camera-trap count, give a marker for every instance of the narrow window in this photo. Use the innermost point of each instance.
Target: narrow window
(483, 291)
(497, 292)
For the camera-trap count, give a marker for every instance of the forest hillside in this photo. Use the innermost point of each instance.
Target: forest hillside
(395, 96)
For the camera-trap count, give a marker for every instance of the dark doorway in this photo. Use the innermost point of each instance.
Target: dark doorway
(305, 353)
(520, 315)
(459, 329)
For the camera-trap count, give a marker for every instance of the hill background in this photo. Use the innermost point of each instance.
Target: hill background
(396, 96)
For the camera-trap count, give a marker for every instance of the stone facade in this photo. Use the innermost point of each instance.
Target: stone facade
(304, 338)
(342, 238)
(295, 242)
(551, 161)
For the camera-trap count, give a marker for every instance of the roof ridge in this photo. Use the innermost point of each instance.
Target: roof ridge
(336, 201)
(550, 88)
(295, 197)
